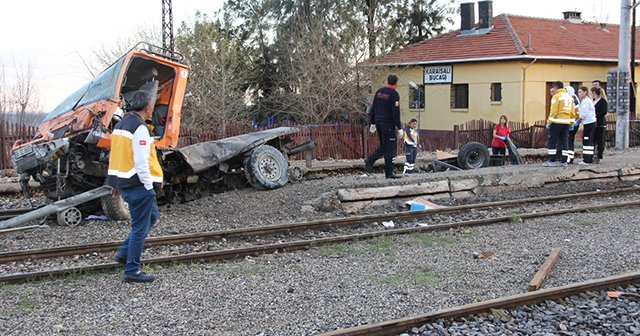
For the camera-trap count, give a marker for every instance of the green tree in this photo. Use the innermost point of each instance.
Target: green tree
(220, 73)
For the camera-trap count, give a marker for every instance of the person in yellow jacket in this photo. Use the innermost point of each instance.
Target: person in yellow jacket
(134, 171)
(562, 116)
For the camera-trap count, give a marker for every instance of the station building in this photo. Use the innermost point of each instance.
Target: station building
(500, 65)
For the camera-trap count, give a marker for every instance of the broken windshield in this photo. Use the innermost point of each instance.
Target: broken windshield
(101, 87)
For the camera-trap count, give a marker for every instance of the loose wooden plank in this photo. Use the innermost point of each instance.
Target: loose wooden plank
(541, 275)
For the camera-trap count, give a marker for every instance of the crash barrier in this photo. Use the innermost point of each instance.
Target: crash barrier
(349, 141)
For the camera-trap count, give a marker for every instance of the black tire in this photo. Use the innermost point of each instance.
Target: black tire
(115, 207)
(473, 155)
(248, 173)
(268, 167)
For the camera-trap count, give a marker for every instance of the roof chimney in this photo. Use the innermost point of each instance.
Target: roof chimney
(573, 16)
(467, 17)
(485, 12)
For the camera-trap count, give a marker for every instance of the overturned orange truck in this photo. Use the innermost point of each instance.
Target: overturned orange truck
(70, 152)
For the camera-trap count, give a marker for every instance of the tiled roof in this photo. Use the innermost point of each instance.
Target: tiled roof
(515, 37)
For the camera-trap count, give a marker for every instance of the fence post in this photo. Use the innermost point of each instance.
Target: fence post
(456, 135)
(365, 143)
(532, 136)
(3, 146)
(308, 158)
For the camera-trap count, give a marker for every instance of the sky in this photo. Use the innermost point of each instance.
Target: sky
(57, 37)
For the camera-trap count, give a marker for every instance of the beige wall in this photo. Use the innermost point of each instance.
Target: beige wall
(538, 74)
(519, 102)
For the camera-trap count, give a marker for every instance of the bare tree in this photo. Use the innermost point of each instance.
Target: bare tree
(24, 96)
(320, 71)
(107, 54)
(4, 95)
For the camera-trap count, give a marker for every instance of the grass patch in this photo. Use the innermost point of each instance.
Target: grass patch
(6, 288)
(425, 279)
(382, 244)
(515, 218)
(426, 239)
(466, 232)
(587, 222)
(329, 250)
(28, 304)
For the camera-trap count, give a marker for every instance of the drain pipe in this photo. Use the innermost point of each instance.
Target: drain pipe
(524, 84)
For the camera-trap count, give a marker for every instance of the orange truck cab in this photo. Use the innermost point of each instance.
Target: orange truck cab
(70, 152)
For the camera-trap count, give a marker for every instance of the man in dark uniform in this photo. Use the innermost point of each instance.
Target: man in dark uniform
(384, 117)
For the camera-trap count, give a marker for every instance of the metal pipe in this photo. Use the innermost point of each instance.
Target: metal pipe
(56, 207)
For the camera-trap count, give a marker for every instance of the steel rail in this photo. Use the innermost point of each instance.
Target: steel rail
(300, 244)
(279, 228)
(397, 326)
(10, 213)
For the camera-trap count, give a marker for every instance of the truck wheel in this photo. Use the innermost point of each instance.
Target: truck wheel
(69, 217)
(115, 207)
(473, 155)
(248, 173)
(268, 166)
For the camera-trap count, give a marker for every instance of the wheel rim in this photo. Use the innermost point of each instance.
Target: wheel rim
(71, 217)
(474, 159)
(296, 173)
(269, 168)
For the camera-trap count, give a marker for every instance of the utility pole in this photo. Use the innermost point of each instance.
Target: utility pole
(632, 92)
(167, 25)
(622, 109)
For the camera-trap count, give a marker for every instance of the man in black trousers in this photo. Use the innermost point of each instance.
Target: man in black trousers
(384, 117)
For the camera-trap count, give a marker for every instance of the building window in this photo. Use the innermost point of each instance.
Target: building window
(416, 97)
(459, 96)
(575, 86)
(496, 92)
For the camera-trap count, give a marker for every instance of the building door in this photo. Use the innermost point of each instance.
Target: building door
(547, 101)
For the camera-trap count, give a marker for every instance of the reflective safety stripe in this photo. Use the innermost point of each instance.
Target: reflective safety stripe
(588, 152)
(562, 121)
(122, 132)
(552, 151)
(585, 138)
(127, 174)
(589, 147)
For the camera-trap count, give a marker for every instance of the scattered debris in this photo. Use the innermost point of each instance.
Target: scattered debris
(617, 295)
(483, 255)
(418, 204)
(94, 217)
(388, 224)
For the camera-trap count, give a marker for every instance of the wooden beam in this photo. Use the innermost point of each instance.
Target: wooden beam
(539, 278)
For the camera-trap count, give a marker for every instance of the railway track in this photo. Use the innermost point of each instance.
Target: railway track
(397, 326)
(280, 232)
(13, 256)
(10, 213)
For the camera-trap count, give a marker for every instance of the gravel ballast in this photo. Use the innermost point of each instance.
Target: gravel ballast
(584, 314)
(325, 288)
